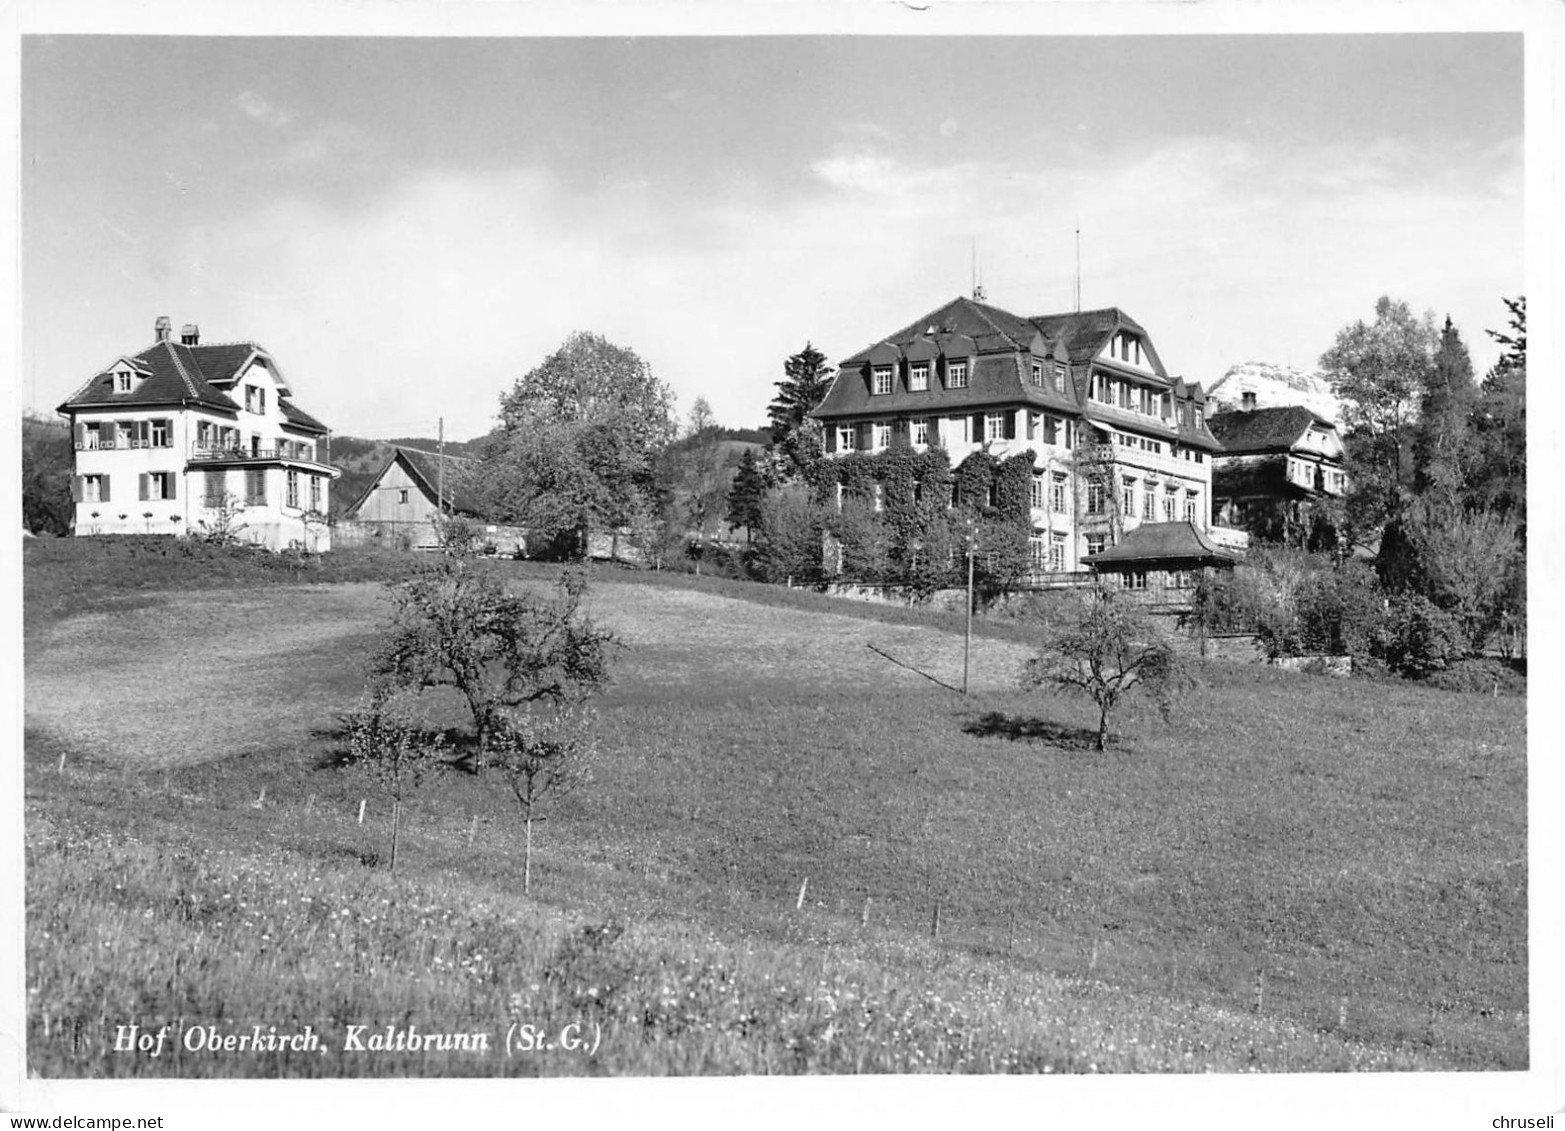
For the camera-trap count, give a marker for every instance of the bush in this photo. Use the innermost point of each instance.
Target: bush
(1420, 638)
(1483, 675)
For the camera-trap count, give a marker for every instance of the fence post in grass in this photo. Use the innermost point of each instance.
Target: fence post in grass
(864, 914)
(1342, 1013)
(472, 830)
(260, 801)
(309, 804)
(62, 761)
(1260, 988)
(804, 887)
(1092, 961)
(934, 926)
(363, 801)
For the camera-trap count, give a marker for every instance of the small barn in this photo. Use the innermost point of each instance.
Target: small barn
(399, 507)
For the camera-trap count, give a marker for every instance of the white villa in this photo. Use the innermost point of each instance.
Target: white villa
(184, 438)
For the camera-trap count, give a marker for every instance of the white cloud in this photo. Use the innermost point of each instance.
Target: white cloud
(434, 299)
(259, 109)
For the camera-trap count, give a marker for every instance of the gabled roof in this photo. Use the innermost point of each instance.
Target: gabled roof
(172, 373)
(423, 467)
(1263, 429)
(296, 417)
(221, 361)
(1170, 542)
(174, 377)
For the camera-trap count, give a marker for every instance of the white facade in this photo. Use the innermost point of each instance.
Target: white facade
(192, 469)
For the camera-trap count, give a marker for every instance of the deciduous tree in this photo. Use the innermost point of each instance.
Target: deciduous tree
(454, 624)
(1378, 371)
(580, 436)
(1107, 649)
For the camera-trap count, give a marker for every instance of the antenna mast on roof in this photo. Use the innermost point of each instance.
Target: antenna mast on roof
(978, 285)
(1078, 265)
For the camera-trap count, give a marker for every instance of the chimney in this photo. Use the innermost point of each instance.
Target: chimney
(161, 327)
(190, 334)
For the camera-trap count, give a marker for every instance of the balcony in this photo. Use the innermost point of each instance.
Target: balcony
(210, 455)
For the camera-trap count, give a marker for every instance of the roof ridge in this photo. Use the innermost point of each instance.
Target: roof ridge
(251, 342)
(180, 367)
(983, 312)
(427, 452)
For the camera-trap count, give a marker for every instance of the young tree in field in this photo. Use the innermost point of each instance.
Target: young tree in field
(1378, 371)
(543, 752)
(746, 495)
(454, 624)
(1107, 649)
(806, 380)
(581, 433)
(395, 748)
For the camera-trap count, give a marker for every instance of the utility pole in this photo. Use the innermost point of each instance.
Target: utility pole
(440, 475)
(967, 642)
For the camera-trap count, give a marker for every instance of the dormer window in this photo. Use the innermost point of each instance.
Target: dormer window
(881, 378)
(918, 377)
(1059, 378)
(255, 399)
(1037, 374)
(956, 374)
(1200, 418)
(122, 380)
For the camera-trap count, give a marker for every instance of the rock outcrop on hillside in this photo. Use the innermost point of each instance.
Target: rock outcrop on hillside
(1275, 386)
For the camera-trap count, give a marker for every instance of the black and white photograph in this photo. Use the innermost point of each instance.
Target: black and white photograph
(966, 547)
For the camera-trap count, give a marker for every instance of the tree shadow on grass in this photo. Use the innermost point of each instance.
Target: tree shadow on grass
(1018, 728)
(334, 751)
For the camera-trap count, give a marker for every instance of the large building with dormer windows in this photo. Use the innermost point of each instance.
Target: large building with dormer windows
(1117, 442)
(185, 437)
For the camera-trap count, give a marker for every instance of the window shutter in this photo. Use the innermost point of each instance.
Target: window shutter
(1032, 425)
(831, 438)
(866, 436)
(173, 485)
(81, 435)
(1010, 425)
(106, 434)
(934, 430)
(76, 489)
(141, 481)
(103, 489)
(978, 428)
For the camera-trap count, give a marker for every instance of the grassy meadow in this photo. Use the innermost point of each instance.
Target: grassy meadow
(795, 855)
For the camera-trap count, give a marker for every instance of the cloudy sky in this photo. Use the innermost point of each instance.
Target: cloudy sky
(410, 224)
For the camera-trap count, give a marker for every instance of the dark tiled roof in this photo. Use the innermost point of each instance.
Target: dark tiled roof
(1084, 332)
(298, 418)
(220, 361)
(1153, 542)
(977, 320)
(1262, 429)
(990, 380)
(424, 467)
(174, 373)
(175, 377)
